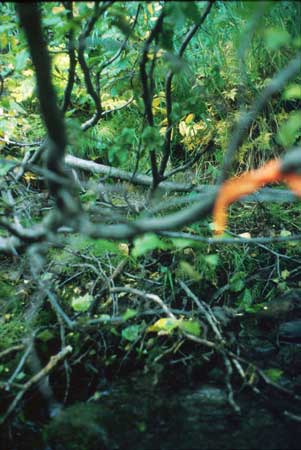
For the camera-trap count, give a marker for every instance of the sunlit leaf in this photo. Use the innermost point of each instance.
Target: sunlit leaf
(150, 8)
(293, 91)
(58, 9)
(147, 243)
(211, 260)
(166, 325)
(183, 128)
(285, 274)
(285, 233)
(189, 118)
(124, 248)
(83, 303)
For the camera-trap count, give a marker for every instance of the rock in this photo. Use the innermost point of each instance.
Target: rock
(209, 395)
(290, 332)
(78, 427)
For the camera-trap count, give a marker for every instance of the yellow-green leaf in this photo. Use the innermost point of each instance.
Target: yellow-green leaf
(165, 325)
(189, 118)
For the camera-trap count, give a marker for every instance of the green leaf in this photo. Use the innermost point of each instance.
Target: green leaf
(129, 314)
(128, 136)
(83, 303)
(21, 59)
(147, 243)
(52, 21)
(89, 196)
(246, 299)
(151, 138)
(188, 270)
(191, 327)
(190, 10)
(276, 38)
(5, 167)
(290, 130)
(182, 243)
(131, 333)
(237, 282)
(16, 107)
(175, 16)
(20, 376)
(45, 335)
(274, 374)
(293, 91)
(211, 260)
(285, 233)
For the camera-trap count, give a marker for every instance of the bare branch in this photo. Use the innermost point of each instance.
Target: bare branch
(168, 96)
(72, 59)
(30, 19)
(146, 89)
(264, 195)
(86, 71)
(53, 361)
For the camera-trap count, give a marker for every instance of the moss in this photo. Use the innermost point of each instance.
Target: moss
(12, 329)
(79, 427)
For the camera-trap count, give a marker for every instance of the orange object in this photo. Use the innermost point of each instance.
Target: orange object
(249, 182)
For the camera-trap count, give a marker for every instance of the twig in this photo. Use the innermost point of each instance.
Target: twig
(7, 351)
(292, 416)
(121, 48)
(155, 298)
(54, 360)
(19, 366)
(19, 144)
(58, 309)
(86, 71)
(117, 271)
(229, 372)
(146, 90)
(204, 309)
(230, 241)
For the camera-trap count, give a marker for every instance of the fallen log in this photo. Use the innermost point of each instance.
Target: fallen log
(263, 195)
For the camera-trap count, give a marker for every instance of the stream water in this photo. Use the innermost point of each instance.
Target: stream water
(133, 414)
